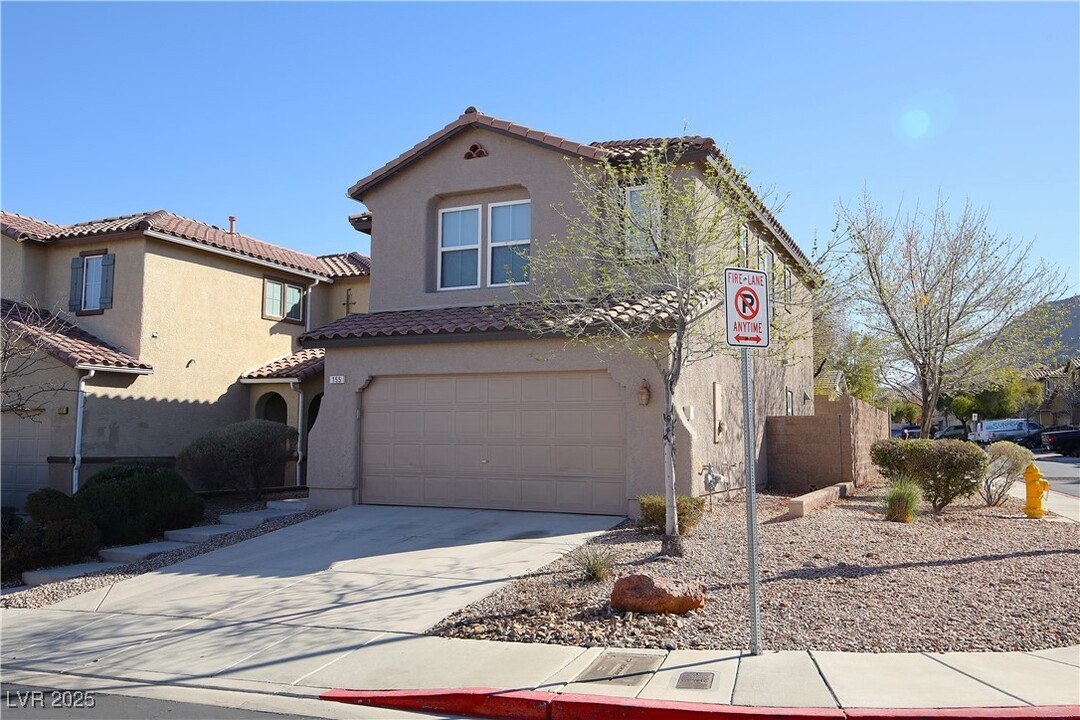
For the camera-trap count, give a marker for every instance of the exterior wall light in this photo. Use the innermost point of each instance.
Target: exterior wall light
(644, 394)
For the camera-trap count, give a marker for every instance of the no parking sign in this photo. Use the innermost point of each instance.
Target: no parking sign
(747, 307)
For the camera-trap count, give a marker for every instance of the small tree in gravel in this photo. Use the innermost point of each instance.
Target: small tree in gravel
(945, 469)
(1007, 464)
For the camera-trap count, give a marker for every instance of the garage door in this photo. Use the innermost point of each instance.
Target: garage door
(24, 449)
(535, 441)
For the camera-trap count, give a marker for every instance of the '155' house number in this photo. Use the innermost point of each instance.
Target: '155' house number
(337, 380)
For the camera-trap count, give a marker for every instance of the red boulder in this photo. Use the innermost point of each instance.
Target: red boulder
(644, 593)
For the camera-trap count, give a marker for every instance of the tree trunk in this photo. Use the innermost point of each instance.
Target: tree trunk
(672, 545)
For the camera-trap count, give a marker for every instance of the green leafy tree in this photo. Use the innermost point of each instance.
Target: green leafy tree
(860, 358)
(640, 268)
(954, 303)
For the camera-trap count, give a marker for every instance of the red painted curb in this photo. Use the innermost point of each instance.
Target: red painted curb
(478, 702)
(532, 705)
(572, 706)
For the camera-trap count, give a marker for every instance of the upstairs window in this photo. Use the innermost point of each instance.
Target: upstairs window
(283, 300)
(509, 239)
(459, 248)
(91, 290)
(744, 245)
(640, 238)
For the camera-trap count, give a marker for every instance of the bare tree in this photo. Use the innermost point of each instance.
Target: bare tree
(956, 304)
(28, 381)
(640, 268)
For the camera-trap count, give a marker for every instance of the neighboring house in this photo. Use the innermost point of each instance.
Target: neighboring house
(434, 398)
(831, 383)
(162, 315)
(1061, 394)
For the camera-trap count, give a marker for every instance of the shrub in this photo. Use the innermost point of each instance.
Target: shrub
(244, 456)
(48, 504)
(40, 544)
(1006, 465)
(888, 456)
(945, 469)
(133, 504)
(594, 561)
(901, 501)
(654, 513)
(10, 521)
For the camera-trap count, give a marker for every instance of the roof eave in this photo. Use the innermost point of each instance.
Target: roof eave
(168, 237)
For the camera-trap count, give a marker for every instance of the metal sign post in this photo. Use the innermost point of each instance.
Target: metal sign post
(747, 319)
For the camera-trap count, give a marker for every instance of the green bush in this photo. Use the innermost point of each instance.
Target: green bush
(654, 513)
(44, 544)
(48, 504)
(901, 501)
(133, 504)
(945, 469)
(10, 521)
(888, 456)
(245, 456)
(594, 561)
(1007, 462)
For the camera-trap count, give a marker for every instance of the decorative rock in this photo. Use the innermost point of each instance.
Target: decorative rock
(644, 593)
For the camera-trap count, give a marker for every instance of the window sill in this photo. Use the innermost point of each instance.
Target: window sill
(83, 313)
(282, 320)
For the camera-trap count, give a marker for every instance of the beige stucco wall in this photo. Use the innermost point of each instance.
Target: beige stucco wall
(405, 213)
(328, 299)
(22, 271)
(29, 443)
(202, 328)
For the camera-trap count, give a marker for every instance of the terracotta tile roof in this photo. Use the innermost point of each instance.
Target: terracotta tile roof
(66, 342)
(22, 227)
(169, 223)
(464, 320)
(830, 382)
(473, 117)
(617, 149)
(300, 365)
(350, 264)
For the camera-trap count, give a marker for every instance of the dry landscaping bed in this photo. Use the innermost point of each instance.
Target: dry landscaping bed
(971, 579)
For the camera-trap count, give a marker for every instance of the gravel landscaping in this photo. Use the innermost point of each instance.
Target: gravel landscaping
(50, 593)
(970, 579)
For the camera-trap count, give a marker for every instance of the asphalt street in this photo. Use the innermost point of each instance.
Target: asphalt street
(19, 702)
(1063, 473)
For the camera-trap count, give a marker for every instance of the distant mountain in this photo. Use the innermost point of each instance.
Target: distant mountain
(1070, 334)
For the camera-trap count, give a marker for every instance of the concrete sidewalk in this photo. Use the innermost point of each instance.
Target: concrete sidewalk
(342, 601)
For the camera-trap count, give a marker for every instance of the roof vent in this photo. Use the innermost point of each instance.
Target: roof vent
(471, 109)
(475, 151)
(232, 224)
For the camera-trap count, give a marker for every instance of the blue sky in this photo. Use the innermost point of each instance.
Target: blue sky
(269, 111)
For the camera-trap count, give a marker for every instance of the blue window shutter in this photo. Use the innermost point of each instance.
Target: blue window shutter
(108, 264)
(75, 300)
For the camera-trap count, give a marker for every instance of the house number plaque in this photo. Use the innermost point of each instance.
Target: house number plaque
(336, 379)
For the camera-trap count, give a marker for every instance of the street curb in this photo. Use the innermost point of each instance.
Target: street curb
(532, 705)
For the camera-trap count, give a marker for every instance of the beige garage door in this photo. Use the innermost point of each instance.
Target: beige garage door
(535, 441)
(24, 449)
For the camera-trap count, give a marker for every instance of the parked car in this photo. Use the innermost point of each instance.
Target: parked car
(1065, 442)
(1034, 440)
(955, 432)
(990, 431)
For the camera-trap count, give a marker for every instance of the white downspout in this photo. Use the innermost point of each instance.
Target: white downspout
(300, 444)
(80, 401)
(310, 298)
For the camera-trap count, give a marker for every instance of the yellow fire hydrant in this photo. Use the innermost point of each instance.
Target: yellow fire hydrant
(1037, 489)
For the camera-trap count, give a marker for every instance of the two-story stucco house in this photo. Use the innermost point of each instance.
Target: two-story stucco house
(158, 328)
(434, 400)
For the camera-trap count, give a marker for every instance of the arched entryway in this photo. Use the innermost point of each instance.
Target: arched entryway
(272, 406)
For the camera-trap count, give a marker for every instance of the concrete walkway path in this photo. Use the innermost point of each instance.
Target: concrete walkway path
(341, 601)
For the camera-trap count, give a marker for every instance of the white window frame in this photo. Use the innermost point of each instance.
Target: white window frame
(441, 250)
(279, 314)
(789, 402)
(787, 288)
(653, 249)
(100, 257)
(492, 244)
(744, 245)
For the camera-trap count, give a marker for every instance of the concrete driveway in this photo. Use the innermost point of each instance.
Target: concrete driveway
(279, 607)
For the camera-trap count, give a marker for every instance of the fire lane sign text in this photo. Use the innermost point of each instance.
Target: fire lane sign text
(747, 307)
